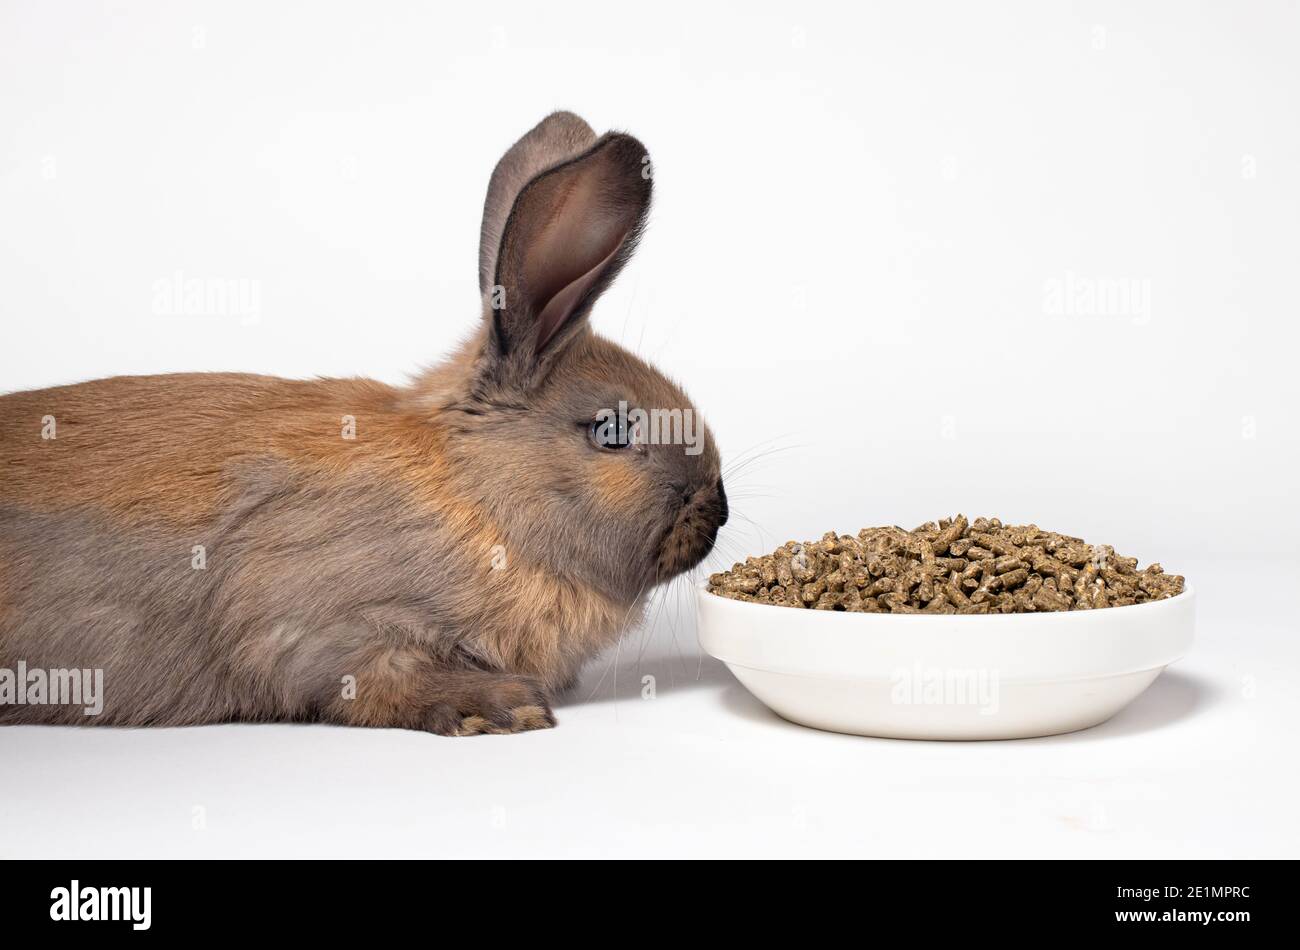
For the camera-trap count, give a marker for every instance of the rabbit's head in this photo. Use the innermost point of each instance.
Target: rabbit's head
(589, 459)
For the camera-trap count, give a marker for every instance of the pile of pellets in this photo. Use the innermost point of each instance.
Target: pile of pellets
(949, 567)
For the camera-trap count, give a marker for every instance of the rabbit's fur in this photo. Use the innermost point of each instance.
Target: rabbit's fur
(218, 547)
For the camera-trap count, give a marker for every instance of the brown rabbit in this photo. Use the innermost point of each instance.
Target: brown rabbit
(443, 556)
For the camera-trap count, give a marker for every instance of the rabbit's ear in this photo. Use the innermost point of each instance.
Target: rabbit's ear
(572, 228)
(557, 138)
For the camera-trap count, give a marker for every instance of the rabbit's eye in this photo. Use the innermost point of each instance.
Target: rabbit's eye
(612, 432)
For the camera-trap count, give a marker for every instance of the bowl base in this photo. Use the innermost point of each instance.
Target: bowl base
(944, 707)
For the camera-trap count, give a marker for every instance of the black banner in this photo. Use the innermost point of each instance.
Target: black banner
(976, 899)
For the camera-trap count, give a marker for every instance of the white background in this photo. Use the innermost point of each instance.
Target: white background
(863, 214)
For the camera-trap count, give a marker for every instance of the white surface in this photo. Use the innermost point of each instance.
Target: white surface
(945, 677)
(1203, 764)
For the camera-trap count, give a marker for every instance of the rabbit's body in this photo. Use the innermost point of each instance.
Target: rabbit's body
(441, 556)
(235, 556)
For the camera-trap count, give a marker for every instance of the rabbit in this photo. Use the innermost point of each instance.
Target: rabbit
(442, 556)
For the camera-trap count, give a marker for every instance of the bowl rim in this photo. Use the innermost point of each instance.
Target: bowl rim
(1040, 646)
(702, 589)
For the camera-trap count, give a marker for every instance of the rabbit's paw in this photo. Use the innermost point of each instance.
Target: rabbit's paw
(496, 705)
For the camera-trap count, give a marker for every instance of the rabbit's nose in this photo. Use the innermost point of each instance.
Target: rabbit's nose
(723, 508)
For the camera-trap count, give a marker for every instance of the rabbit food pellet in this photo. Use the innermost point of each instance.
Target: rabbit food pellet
(952, 567)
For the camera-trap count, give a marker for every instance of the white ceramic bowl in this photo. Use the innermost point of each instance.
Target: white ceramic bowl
(914, 676)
